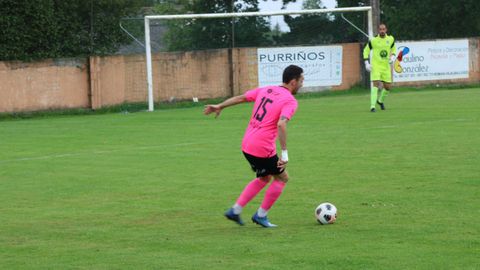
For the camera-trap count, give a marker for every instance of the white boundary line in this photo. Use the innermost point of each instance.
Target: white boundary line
(97, 152)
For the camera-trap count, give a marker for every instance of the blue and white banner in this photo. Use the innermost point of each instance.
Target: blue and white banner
(322, 65)
(431, 60)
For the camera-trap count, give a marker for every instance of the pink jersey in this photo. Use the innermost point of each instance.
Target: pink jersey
(271, 102)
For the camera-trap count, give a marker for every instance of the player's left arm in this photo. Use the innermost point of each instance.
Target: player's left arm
(393, 51)
(286, 114)
(217, 108)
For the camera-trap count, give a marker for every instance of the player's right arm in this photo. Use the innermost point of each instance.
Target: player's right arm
(366, 50)
(282, 137)
(217, 108)
(366, 55)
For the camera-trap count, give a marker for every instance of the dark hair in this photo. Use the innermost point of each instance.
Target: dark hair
(291, 72)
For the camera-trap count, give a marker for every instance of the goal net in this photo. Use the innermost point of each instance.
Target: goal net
(200, 56)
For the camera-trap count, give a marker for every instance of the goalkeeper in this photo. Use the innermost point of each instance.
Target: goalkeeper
(383, 55)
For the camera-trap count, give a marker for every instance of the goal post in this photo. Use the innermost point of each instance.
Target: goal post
(149, 18)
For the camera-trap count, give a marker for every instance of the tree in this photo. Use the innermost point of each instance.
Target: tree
(61, 28)
(413, 20)
(25, 29)
(319, 28)
(213, 33)
(308, 29)
(430, 19)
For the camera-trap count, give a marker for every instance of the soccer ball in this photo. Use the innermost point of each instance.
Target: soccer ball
(326, 213)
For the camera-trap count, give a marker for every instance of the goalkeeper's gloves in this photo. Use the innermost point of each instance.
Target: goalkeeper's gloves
(368, 67)
(392, 59)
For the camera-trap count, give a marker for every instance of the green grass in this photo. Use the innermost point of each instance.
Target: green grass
(148, 190)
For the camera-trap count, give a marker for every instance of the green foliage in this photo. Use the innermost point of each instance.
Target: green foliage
(406, 20)
(431, 19)
(251, 31)
(69, 28)
(321, 28)
(213, 33)
(25, 29)
(312, 29)
(61, 28)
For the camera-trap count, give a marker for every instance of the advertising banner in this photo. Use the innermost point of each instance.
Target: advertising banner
(322, 65)
(431, 60)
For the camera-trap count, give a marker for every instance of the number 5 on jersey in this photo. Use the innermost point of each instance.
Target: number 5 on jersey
(263, 104)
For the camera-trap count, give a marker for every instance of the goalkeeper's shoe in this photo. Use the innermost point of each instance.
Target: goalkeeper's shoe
(233, 217)
(262, 221)
(382, 106)
(373, 110)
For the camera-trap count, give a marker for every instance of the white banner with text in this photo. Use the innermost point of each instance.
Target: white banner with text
(322, 65)
(431, 60)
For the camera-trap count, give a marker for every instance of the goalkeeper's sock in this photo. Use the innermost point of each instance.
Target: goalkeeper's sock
(383, 95)
(373, 97)
(250, 191)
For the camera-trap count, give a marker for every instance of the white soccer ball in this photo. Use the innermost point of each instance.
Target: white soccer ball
(326, 213)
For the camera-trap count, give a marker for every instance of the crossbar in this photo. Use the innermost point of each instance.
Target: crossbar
(252, 14)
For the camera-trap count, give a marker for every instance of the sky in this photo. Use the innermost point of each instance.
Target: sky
(271, 5)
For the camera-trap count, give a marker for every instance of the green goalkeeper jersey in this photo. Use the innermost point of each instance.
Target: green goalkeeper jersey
(382, 49)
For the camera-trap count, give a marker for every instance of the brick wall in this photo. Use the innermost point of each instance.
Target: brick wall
(351, 69)
(49, 84)
(111, 80)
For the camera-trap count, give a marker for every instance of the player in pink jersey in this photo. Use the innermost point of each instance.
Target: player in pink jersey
(274, 107)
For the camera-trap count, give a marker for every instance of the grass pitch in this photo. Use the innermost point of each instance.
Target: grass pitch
(148, 190)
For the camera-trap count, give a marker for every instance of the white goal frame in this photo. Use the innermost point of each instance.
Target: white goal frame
(149, 18)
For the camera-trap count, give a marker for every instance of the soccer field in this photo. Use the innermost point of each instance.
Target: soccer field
(148, 190)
